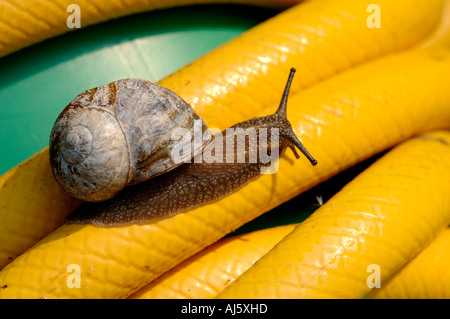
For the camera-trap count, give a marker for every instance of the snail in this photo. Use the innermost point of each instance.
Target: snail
(130, 174)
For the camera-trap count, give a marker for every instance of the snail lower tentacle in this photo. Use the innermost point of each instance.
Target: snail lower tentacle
(199, 183)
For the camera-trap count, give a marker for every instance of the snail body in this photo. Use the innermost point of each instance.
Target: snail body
(116, 135)
(195, 184)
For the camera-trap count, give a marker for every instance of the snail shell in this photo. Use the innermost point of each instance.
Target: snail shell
(118, 134)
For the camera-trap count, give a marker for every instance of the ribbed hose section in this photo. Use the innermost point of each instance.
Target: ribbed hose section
(319, 38)
(427, 276)
(373, 226)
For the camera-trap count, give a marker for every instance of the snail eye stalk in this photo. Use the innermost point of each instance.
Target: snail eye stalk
(289, 134)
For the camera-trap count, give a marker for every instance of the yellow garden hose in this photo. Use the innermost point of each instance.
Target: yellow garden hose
(208, 272)
(27, 22)
(319, 37)
(343, 120)
(250, 71)
(32, 205)
(426, 276)
(374, 225)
